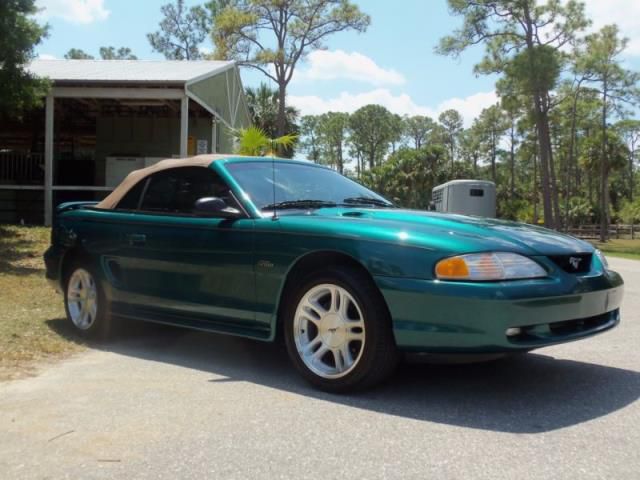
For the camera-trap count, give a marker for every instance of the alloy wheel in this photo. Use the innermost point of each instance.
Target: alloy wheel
(329, 331)
(82, 299)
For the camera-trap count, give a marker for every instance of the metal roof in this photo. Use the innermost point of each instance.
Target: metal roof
(121, 71)
(465, 182)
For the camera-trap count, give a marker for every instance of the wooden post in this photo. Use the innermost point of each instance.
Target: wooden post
(48, 160)
(214, 135)
(184, 125)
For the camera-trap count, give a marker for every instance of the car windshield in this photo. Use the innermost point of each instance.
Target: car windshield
(300, 186)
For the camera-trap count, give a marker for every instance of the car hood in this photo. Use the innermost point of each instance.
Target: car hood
(445, 232)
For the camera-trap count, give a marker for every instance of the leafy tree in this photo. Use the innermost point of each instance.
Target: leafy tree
(409, 175)
(511, 108)
(78, 54)
(601, 64)
(630, 211)
(278, 34)
(214, 7)
(417, 128)
(471, 144)
(332, 129)
(106, 53)
(396, 126)
(309, 131)
(591, 159)
(451, 120)
(629, 131)
(492, 125)
(565, 119)
(182, 30)
(371, 132)
(123, 53)
(523, 40)
(19, 33)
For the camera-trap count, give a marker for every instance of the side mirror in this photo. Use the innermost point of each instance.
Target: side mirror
(215, 207)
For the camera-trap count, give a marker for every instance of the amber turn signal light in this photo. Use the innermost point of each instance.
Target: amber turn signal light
(452, 268)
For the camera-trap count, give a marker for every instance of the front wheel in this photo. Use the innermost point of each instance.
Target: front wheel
(338, 331)
(85, 304)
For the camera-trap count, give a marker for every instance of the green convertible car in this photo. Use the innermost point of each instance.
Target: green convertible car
(273, 248)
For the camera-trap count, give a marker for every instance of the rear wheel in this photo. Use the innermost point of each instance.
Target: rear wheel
(338, 332)
(85, 304)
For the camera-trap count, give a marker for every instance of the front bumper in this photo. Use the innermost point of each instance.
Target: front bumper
(453, 317)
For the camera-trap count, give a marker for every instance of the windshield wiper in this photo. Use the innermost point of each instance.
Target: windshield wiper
(301, 204)
(368, 201)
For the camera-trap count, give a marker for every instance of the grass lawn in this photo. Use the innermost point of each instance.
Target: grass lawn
(32, 329)
(621, 248)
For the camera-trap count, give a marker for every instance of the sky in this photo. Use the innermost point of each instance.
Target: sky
(393, 63)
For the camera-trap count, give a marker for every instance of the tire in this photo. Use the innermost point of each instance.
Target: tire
(87, 309)
(338, 331)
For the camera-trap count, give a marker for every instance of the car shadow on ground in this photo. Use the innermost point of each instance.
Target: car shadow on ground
(529, 394)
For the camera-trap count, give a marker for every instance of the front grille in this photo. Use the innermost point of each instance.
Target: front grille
(560, 330)
(576, 326)
(577, 263)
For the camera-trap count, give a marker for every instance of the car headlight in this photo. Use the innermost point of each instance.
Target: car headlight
(603, 259)
(488, 266)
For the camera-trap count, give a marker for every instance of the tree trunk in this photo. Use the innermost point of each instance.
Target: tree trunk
(493, 158)
(555, 198)
(452, 149)
(512, 156)
(535, 189)
(604, 171)
(542, 126)
(632, 154)
(544, 147)
(281, 121)
(570, 160)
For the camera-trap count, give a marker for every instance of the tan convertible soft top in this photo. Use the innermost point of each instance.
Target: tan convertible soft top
(134, 177)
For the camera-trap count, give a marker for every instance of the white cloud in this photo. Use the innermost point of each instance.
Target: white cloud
(74, 11)
(471, 106)
(402, 104)
(625, 13)
(46, 56)
(338, 64)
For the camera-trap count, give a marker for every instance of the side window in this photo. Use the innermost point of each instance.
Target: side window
(132, 199)
(176, 190)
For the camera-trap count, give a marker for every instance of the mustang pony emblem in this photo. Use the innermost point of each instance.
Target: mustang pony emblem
(575, 262)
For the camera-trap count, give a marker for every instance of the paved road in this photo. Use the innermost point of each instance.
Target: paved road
(166, 403)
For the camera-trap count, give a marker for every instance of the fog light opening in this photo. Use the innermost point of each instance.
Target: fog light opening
(514, 331)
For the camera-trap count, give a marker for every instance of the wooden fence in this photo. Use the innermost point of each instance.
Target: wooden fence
(615, 231)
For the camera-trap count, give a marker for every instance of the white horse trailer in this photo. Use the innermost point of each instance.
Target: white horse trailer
(466, 197)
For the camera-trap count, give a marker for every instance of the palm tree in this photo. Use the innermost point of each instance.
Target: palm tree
(263, 107)
(255, 142)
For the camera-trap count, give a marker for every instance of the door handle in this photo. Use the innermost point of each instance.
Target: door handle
(136, 239)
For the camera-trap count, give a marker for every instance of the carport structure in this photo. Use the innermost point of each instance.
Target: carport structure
(104, 118)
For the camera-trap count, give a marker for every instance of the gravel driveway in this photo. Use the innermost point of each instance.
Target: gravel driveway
(169, 403)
